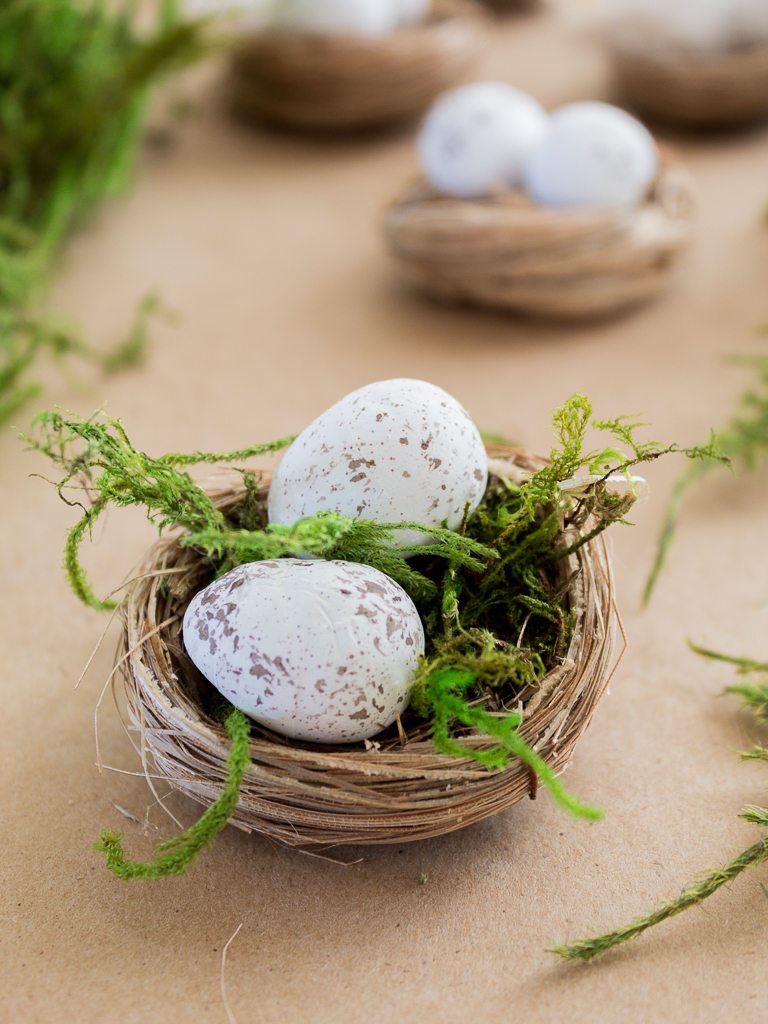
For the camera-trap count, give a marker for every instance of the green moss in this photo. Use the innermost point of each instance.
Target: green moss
(754, 696)
(693, 895)
(742, 442)
(175, 855)
(75, 78)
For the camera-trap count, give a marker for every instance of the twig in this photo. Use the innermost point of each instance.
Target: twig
(227, 1007)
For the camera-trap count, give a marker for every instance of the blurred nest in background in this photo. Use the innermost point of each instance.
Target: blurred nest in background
(509, 253)
(340, 83)
(667, 81)
(503, 6)
(393, 789)
(690, 89)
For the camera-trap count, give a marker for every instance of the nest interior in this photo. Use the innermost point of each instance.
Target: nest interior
(339, 83)
(392, 789)
(681, 87)
(507, 252)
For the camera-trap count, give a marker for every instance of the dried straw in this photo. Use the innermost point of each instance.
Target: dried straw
(339, 83)
(697, 90)
(508, 252)
(395, 789)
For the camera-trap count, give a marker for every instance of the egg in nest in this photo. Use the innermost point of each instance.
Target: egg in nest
(323, 651)
(393, 451)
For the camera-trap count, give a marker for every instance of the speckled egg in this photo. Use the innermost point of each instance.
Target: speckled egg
(394, 451)
(319, 651)
(336, 17)
(593, 156)
(477, 137)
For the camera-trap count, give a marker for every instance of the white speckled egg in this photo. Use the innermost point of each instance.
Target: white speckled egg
(336, 17)
(594, 155)
(320, 651)
(394, 451)
(478, 137)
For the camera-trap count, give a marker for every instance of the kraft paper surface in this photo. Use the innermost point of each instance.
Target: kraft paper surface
(267, 247)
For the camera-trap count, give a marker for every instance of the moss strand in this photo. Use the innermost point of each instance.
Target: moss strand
(442, 697)
(176, 854)
(743, 441)
(588, 949)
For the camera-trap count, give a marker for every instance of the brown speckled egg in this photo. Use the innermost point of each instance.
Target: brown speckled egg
(394, 451)
(316, 650)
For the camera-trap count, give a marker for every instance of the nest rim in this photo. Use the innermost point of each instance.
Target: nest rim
(691, 89)
(513, 6)
(348, 83)
(508, 253)
(389, 790)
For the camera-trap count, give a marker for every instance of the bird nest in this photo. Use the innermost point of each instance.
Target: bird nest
(504, 6)
(394, 788)
(696, 90)
(508, 252)
(337, 83)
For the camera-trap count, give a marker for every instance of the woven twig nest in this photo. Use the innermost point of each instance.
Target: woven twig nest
(513, 5)
(697, 90)
(393, 789)
(336, 83)
(507, 252)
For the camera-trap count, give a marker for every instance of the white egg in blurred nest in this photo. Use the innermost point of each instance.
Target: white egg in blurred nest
(335, 17)
(706, 26)
(319, 651)
(408, 12)
(593, 156)
(393, 451)
(477, 138)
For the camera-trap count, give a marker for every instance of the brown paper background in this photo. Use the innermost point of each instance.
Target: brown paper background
(267, 246)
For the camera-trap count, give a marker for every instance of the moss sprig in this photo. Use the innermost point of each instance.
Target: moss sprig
(97, 455)
(446, 698)
(176, 854)
(491, 596)
(756, 698)
(742, 442)
(75, 79)
(25, 337)
(693, 895)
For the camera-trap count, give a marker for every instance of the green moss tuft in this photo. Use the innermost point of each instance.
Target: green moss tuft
(75, 78)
